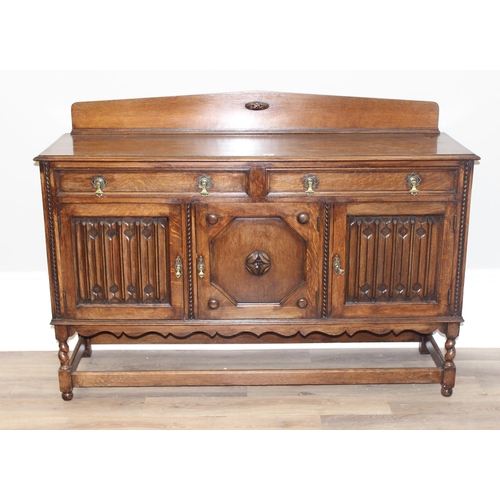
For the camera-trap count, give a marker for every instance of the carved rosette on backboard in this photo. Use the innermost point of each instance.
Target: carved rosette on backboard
(256, 105)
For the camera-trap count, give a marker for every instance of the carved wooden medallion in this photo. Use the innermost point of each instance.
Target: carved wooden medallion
(258, 263)
(256, 105)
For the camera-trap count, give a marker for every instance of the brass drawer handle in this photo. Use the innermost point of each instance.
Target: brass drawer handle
(310, 182)
(178, 267)
(336, 266)
(201, 266)
(413, 180)
(204, 183)
(99, 183)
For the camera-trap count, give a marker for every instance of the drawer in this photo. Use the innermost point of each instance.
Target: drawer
(355, 180)
(113, 183)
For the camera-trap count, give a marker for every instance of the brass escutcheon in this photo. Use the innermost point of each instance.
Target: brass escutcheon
(310, 182)
(99, 183)
(204, 183)
(336, 266)
(178, 267)
(413, 180)
(201, 266)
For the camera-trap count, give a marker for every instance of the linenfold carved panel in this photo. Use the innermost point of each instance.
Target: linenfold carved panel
(393, 258)
(122, 260)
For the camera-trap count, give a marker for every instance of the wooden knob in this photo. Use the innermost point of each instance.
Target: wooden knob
(303, 218)
(302, 303)
(212, 219)
(213, 303)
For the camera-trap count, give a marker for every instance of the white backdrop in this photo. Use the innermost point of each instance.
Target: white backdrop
(35, 111)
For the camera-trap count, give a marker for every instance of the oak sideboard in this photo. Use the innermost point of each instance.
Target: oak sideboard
(256, 217)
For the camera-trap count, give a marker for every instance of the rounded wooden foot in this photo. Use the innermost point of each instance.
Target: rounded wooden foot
(423, 349)
(67, 396)
(446, 392)
(87, 353)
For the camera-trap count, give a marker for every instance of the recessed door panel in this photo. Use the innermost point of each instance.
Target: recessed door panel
(392, 259)
(124, 263)
(261, 260)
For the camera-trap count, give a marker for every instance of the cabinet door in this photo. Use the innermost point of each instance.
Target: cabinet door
(119, 261)
(257, 260)
(392, 259)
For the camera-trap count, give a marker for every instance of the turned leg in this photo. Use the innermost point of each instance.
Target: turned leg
(65, 382)
(449, 366)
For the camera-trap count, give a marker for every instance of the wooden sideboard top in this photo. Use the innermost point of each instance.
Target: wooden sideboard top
(255, 125)
(267, 147)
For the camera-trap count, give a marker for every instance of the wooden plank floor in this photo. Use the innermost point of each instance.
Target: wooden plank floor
(30, 398)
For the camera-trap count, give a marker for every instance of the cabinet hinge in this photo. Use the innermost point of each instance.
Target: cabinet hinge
(455, 223)
(317, 298)
(65, 304)
(59, 224)
(449, 296)
(318, 224)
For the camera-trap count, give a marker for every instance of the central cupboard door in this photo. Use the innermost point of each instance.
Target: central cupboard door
(258, 260)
